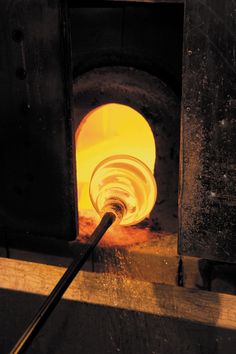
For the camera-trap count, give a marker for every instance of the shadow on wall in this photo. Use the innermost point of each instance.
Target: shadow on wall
(217, 276)
(87, 329)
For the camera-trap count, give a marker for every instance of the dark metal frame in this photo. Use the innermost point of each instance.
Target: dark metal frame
(37, 185)
(207, 211)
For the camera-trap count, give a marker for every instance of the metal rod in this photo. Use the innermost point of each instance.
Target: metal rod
(56, 294)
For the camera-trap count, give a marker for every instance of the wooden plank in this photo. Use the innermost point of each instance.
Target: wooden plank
(154, 260)
(208, 159)
(120, 292)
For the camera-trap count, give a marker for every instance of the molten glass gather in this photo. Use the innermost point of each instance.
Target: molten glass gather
(124, 185)
(115, 158)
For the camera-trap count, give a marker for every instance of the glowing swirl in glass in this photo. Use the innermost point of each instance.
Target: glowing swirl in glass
(124, 185)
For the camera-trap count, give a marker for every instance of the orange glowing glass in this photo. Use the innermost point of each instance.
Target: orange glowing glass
(125, 186)
(106, 132)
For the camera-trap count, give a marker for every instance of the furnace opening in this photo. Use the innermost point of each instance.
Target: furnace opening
(109, 130)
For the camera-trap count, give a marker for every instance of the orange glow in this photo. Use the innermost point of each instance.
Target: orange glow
(111, 129)
(125, 186)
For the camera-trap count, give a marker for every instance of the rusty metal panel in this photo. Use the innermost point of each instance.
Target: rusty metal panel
(208, 158)
(36, 155)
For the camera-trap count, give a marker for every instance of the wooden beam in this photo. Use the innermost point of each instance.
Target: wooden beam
(207, 308)
(155, 260)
